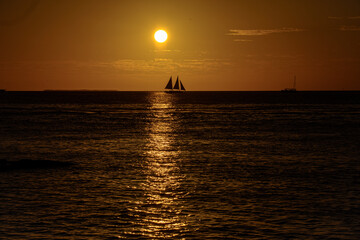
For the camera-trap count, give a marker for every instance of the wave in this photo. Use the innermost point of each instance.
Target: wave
(6, 165)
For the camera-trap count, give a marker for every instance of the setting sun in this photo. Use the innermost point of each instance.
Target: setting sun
(160, 36)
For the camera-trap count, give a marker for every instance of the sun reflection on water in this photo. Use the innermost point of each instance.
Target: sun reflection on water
(158, 212)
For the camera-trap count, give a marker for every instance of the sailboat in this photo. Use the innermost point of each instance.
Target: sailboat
(293, 89)
(178, 87)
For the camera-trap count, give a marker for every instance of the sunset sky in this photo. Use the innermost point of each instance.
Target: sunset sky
(212, 45)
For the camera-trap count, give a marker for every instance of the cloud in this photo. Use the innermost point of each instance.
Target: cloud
(347, 20)
(349, 28)
(140, 65)
(165, 64)
(204, 64)
(341, 18)
(242, 40)
(125, 66)
(261, 32)
(335, 18)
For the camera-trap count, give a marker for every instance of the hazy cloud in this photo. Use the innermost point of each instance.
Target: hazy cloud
(167, 51)
(136, 65)
(354, 17)
(261, 32)
(130, 66)
(347, 20)
(349, 28)
(335, 18)
(242, 40)
(340, 18)
(165, 64)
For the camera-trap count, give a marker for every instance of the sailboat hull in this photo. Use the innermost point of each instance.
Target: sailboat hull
(175, 92)
(289, 90)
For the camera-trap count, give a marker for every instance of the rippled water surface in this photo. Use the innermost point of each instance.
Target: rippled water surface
(198, 165)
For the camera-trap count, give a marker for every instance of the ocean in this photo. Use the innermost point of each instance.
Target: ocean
(194, 165)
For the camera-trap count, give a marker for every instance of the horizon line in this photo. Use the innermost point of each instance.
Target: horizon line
(107, 90)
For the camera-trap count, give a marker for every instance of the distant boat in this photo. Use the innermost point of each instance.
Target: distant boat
(178, 87)
(2, 90)
(293, 89)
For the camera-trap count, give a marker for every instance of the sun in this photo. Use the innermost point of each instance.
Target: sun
(160, 36)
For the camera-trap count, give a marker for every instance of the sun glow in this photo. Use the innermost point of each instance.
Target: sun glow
(160, 36)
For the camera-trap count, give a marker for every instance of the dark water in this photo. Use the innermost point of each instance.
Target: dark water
(199, 165)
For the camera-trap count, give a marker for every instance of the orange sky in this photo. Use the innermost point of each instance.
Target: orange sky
(212, 45)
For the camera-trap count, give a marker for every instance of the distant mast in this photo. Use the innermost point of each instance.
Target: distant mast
(293, 89)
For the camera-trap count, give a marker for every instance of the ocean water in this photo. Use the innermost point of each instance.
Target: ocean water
(197, 165)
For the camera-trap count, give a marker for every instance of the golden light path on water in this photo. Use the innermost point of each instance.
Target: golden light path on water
(159, 213)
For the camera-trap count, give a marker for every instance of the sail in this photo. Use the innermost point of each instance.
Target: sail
(176, 86)
(169, 85)
(182, 86)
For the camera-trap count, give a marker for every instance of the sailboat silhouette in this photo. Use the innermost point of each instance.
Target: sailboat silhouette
(178, 87)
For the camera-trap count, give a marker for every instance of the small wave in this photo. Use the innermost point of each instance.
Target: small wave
(6, 165)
